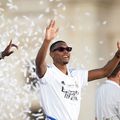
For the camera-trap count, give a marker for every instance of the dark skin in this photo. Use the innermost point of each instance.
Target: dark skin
(61, 59)
(7, 51)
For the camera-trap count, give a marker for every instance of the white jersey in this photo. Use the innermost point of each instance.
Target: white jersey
(108, 101)
(60, 94)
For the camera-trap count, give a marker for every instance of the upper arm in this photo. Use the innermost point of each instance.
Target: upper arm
(96, 74)
(41, 69)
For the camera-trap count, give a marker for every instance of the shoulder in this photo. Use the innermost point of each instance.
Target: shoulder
(72, 70)
(49, 67)
(80, 73)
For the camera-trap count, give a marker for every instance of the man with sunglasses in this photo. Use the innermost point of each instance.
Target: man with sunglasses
(7, 50)
(60, 86)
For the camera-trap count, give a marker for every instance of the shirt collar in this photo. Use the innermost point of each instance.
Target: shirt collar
(61, 71)
(112, 82)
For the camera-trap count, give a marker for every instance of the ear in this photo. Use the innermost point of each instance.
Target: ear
(51, 54)
(118, 74)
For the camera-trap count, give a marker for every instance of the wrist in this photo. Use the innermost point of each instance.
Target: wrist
(46, 42)
(2, 55)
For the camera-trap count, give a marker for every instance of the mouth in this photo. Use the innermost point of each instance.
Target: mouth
(65, 57)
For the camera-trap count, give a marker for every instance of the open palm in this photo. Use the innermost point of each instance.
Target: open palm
(51, 31)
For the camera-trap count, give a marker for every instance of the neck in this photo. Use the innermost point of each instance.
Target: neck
(115, 80)
(62, 68)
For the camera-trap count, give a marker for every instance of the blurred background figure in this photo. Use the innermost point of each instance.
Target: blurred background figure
(36, 114)
(31, 77)
(35, 111)
(108, 97)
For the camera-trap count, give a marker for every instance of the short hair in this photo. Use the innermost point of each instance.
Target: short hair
(55, 43)
(115, 71)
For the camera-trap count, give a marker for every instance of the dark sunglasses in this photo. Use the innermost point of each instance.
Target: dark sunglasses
(62, 49)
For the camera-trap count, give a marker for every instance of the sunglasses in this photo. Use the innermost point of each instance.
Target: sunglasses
(62, 49)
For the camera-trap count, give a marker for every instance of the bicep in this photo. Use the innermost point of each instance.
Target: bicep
(41, 70)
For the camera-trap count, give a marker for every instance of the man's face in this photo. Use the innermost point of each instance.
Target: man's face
(61, 53)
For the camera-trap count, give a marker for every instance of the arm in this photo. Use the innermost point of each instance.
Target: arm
(7, 50)
(107, 69)
(51, 33)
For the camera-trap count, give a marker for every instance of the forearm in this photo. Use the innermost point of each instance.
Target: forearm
(106, 70)
(41, 66)
(40, 59)
(111, 65)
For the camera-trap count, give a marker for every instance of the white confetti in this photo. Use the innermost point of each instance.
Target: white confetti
(40, 16)
(47, 10)
(11, 6)
(87, 13)
(41, 2)
(101, 42)
(51, 0)
(104, 22)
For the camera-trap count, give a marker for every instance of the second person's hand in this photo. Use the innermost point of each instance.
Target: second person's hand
(8, 50)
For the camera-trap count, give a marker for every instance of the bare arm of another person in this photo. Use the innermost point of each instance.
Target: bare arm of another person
(107, 69)
(50, 34)
(8, 50)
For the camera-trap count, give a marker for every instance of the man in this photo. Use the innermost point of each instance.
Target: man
(108, 97)
(7, 50)
(60, 86)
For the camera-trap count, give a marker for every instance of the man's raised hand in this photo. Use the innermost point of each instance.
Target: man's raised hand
(51, 31)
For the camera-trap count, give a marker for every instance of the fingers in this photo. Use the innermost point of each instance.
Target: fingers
(52, 24)
(10, 42)
(57, 30)
(118, 45)
(49, 24)
(51, 31)
(13, 45)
